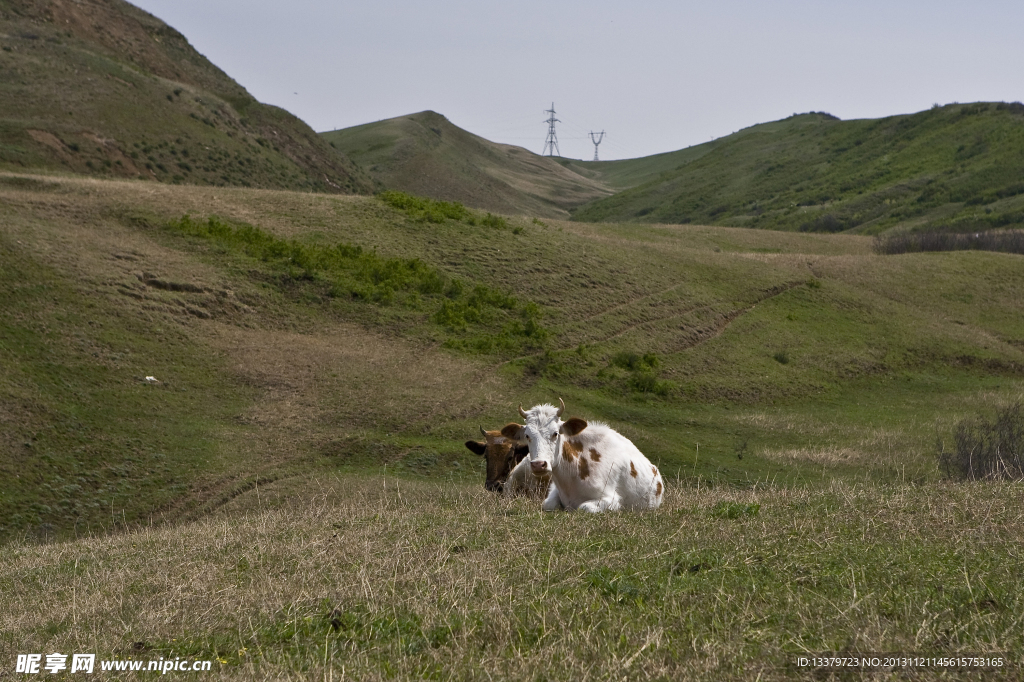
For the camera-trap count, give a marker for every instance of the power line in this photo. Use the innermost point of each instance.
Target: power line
(551, 143)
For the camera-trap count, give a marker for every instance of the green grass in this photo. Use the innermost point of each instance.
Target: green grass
(87, 439)
(377, 578)
(954, 167)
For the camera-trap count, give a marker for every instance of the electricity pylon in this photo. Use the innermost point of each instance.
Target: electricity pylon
(551, 143)
(600, 136)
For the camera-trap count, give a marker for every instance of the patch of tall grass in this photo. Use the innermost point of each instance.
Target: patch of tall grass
(987, 449)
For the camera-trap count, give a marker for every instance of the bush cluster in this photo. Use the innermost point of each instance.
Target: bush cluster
(426, 210)
(829, 222)
(642, 376)
(986, 449)
(477, 318)
(491, 220)
(648, 362)
(1006, 241)
(349, 270)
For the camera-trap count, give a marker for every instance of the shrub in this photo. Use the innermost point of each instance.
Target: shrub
(1006, 241)
(642, 376)
(635, 362)
(1012, 107)
(828, 222)
(986, 450)
(423, 209)
(493, 221)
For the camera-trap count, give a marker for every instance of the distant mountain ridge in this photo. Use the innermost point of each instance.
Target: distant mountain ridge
(103, 88)
(958, 167)
(426, 154)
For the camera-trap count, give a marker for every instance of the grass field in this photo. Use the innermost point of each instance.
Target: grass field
(321, 359)
(370, 578)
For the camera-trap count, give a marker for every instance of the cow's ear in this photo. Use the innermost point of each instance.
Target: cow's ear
(573, 426)
(520, 452)
(512, 431)
(477, 447)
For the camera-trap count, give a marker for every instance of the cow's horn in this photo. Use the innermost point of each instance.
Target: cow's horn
(482, 432)
(522, 411)
(561, 409)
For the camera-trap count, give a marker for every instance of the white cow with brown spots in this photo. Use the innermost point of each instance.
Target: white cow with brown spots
(592, 466)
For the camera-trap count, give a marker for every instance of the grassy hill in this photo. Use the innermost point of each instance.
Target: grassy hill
(427, 155)
(292, 334)
(102, 88)
(231, 427)
(624, 174)
(956, 167)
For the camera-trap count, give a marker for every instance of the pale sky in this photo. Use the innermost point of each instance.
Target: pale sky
(656, 75)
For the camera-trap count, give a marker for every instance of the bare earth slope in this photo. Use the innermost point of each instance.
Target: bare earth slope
(426, 154)
(102, 88)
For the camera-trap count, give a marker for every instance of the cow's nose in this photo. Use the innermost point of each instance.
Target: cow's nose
(493, 486)
(539, 467)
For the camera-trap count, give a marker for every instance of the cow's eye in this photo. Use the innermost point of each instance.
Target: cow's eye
(554, 436)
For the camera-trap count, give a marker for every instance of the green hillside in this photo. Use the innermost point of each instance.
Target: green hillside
(291, 333)
(626, 173)
(958, 167)
(102, 88)
(427, 155)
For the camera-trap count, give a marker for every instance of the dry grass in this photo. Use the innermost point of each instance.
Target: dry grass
(316, 382)
(374, 578)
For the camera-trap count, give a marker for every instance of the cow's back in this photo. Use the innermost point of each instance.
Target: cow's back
(603, 460)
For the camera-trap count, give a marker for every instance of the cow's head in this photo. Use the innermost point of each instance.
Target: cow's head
(543, 430)
(501, 455)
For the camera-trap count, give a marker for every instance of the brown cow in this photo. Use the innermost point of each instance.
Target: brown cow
(508, 468)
